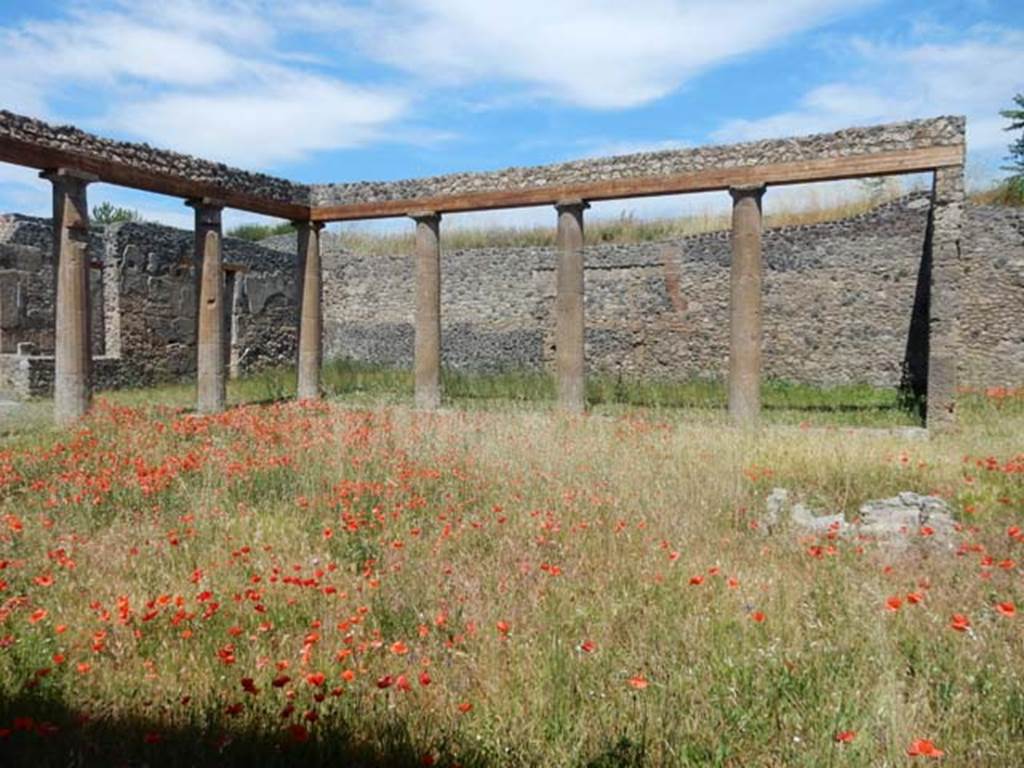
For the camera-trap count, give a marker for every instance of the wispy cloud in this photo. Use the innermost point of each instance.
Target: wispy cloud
(603, 54)
(199, 76)
(975, 75)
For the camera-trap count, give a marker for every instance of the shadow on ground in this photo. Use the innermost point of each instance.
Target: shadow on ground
(37, 731)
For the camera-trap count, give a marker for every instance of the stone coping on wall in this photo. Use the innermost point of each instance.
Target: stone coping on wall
(946, 131)
(27, 141)
(905, 147)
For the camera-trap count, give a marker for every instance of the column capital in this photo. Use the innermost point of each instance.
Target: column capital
(207, 210)
(748, 190)
(571, 204)
(59, 175)
(205, 202)
(429, 217)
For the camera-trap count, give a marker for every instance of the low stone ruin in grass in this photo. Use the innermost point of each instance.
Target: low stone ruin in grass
(900, 520)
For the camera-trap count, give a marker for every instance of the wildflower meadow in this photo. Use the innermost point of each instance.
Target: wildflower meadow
(351, 582)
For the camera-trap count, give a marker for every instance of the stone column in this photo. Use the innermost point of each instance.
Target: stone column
(944, 299)
(569, 331)
(310, 309)
(745, 306)
(210, 379)
(427, 361)
(72, 363)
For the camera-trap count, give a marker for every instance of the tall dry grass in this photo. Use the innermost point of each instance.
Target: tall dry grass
(579, 591)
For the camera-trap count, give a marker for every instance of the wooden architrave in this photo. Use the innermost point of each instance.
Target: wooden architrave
(123, 174)
(823, 169)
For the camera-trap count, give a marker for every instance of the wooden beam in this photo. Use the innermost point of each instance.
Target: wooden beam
(126, 175)
(822, 169)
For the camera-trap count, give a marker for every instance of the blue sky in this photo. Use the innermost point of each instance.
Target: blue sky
(325, 90)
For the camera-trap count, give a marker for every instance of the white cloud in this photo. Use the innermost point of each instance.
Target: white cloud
(975, 76)
(199, 76)
(602, 54)
(285, 118)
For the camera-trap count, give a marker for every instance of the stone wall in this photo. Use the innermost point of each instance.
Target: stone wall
(838, 302)
(27, 285)
(144, 293)
(839, 298)
(915, 134)
(157, 290)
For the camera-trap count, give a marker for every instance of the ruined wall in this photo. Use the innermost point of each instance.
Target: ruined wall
(837, 306)
(27, 287)
(157, 290)
(838, 302)
(144, 293)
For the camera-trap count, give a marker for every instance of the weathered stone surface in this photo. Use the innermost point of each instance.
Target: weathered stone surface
(908, 514)
(745, 306)
(838, 302)
(570, 324)
(147, 158)
(941, 131)
(898, 521)
(144, 304)
(427, 338)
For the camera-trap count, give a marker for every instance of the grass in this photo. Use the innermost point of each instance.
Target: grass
(702, 399)
(578, 591)
(626, 228)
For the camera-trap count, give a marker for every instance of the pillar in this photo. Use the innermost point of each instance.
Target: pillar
(943, 299)
(745, 306)
(427, 352)
(210, 369)
(72, 393)
(310, 309)
(569, 306)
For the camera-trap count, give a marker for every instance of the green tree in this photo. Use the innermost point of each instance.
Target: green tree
(1015, 184)
(255, 232)
(106, 213)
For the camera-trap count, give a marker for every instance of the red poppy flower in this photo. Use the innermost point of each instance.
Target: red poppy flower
(588, 646)
(960, 622)
(846, 737)
(281, 681)
(249, 686)
(757, 616)
(385, 682)
(638, 681)
(893, 604)
(298, 732)
(924, 748)
(464, 707)
(914, 597)
(424, 678)
(399, 648)
(504, 627)
(696, 581)
(316, 678)
(1007, 608)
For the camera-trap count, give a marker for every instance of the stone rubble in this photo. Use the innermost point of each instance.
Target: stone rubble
(940, 131)
(897, 521)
